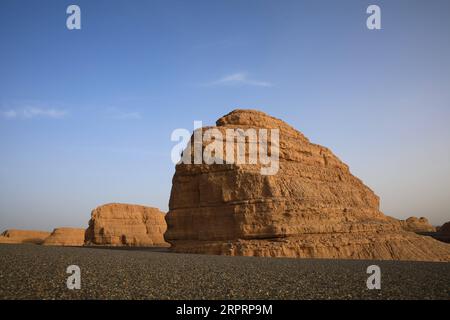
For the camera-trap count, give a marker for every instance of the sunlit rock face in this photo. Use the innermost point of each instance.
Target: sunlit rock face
(23, 236)
(119, 224)
(65, 237)
(313, 207)
(418, 225)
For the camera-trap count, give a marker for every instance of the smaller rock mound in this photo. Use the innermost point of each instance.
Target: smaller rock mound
(417, 225)
(119, 224)
(23, 236)
(66, 237)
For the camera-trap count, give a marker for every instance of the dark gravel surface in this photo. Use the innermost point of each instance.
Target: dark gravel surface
(39, 272)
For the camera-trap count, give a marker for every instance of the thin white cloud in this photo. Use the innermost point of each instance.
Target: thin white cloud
(239, 79)
(33, 112)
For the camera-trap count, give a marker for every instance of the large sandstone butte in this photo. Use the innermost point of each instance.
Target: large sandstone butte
(23, 236)
(312, 208)
(119, 224)
(65, 237)
(417, 225)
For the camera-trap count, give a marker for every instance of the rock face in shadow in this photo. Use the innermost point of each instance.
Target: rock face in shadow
(417, 225)
(312, 208)
(445, 229)
(23, 236)
(65, 237)
(126, 225)
(443, 233)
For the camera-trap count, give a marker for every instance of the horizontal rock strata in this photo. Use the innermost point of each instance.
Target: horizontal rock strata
(126, 225)
(65, 237)
(23, 236)
(313, 207)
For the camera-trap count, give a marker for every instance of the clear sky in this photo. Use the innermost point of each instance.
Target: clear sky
(86, 115)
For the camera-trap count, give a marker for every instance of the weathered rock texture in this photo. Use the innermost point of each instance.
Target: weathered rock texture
(313, 207)
(417, 225)
(23, 236)
(126, 225)
(65, 237)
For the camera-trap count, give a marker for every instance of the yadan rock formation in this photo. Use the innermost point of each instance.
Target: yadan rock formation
(443, 233)
(126, 225)
(445, 229)
(417, 225)
(65, 237)
(313, 207)
(23, 236)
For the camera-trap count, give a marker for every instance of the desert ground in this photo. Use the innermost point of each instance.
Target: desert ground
(39, 272)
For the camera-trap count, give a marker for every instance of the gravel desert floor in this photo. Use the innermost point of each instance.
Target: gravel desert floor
(39, 272)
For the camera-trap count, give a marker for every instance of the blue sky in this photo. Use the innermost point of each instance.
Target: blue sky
(86, 115)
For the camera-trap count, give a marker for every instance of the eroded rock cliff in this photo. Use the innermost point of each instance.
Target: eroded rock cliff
(313, 207)
(126, 225)
(65, 237)
(23, 236)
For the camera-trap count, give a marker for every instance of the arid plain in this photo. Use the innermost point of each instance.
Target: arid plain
(309, 230)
